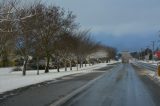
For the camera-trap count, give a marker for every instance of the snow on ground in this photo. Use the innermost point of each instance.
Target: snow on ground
(150, 62)
(4, 71)
(13, 80)
(152, 74)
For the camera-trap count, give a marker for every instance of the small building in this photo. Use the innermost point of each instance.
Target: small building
(157, 54)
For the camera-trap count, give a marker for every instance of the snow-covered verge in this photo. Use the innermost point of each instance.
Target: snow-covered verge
(13, 80)
(4, 71)
(153, 75)
(150, 62)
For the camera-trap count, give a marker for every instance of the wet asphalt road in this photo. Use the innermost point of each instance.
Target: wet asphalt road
(125, 86)
(44, 94)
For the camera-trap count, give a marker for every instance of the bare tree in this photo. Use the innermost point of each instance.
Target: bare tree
(48, 26)
(39, 30)
(64, 49)
(25, 17)
(83, 47)
(6, 30)
(65, 43)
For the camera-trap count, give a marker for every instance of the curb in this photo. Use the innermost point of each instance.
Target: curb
(69, 96)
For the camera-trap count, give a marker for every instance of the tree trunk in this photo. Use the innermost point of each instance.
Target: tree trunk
(25, 65)
(70, 63)
(77, 65)
(82, 63)
(47, 65)
(37, 65)
(85, 63)
(57, 66)
(65, 65)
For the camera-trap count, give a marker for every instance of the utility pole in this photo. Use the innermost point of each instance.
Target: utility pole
(153, 44)
(158, 44)
(147, 47)
(141, 53)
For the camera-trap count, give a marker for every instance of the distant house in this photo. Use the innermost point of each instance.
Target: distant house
(147, 57)
(157, 54)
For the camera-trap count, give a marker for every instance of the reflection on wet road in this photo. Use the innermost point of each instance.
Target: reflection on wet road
(121, 87)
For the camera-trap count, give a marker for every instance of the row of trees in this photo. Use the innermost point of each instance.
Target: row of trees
(143, 54)
(46, 32)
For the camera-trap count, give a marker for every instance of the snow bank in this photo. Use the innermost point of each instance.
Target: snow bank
(13, 80)
(153, 75)
(150, 62)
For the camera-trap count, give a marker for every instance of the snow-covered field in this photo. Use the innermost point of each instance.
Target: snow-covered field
(12, 80)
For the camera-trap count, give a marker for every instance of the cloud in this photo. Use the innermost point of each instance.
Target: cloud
(126, 29)
(118, 23)
(118, 17)
(131, 42)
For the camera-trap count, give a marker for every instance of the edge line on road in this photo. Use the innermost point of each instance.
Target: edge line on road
(75, 92)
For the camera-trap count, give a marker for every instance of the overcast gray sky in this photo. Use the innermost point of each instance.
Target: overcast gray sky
(119, 23)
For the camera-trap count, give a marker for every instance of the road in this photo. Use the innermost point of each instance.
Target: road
(125, 86)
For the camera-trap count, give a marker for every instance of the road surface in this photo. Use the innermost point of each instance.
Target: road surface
(124, 86)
